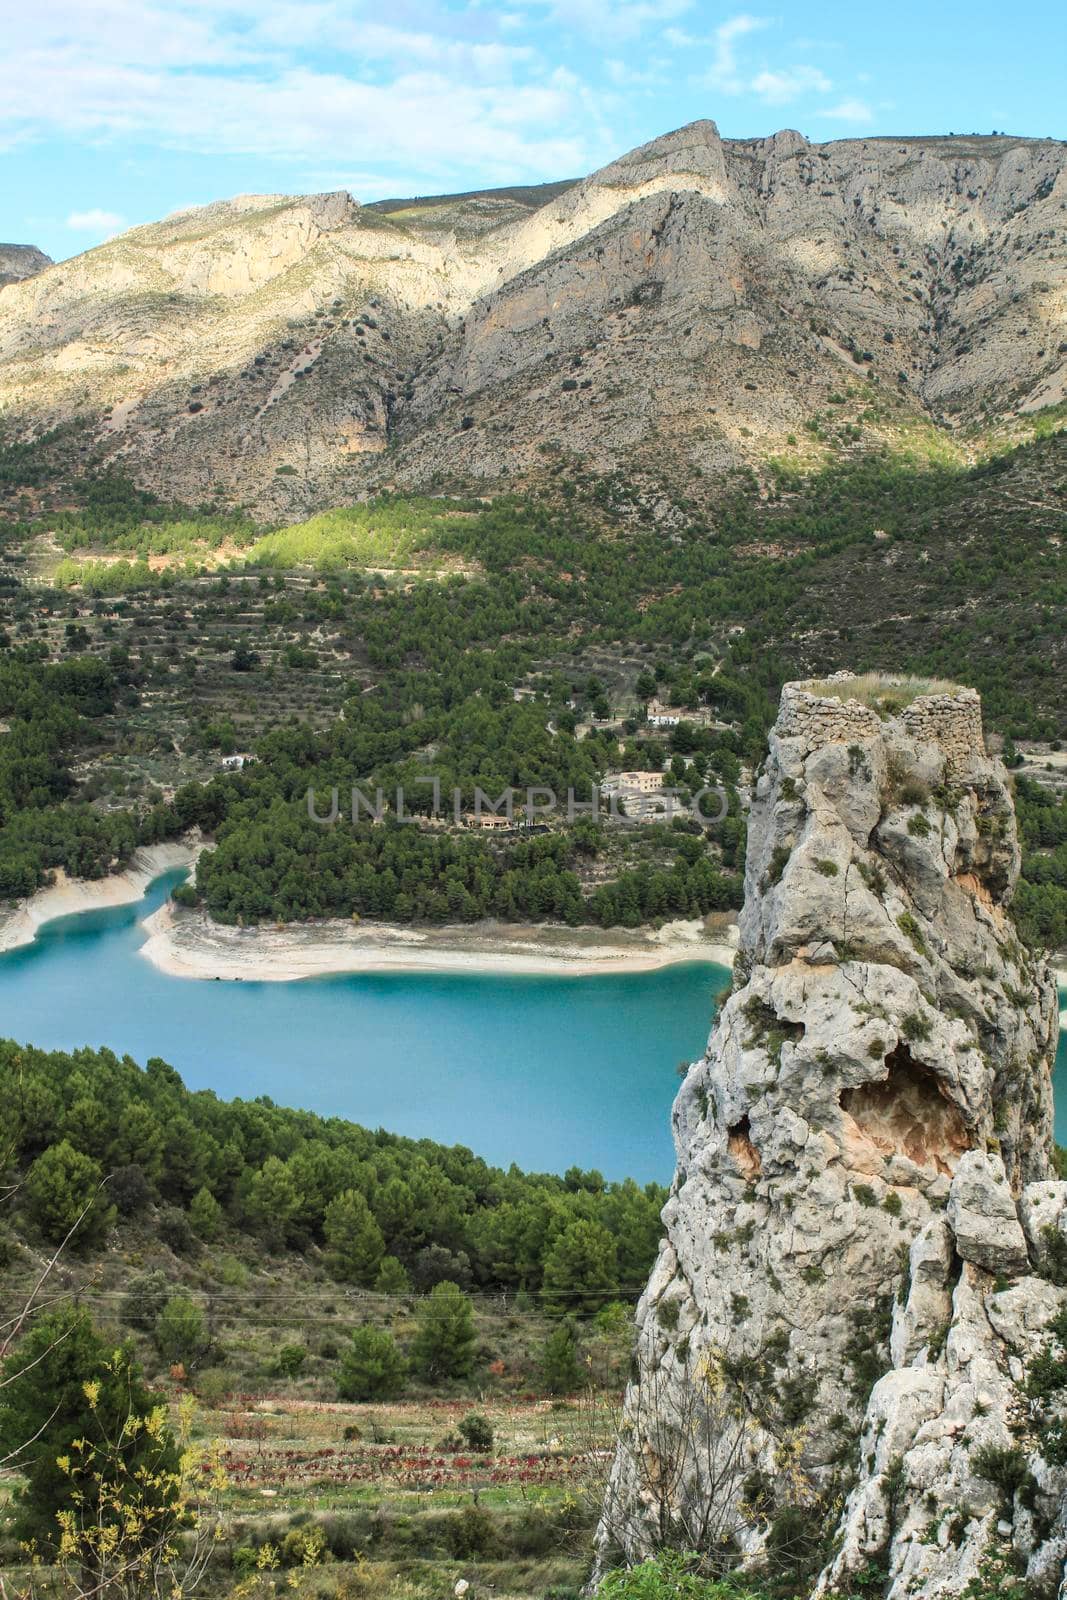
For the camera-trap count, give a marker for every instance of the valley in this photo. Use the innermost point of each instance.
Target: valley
(355, 1269)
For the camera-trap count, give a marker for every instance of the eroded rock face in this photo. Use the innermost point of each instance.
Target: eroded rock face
(844, 1306)
(680, 312)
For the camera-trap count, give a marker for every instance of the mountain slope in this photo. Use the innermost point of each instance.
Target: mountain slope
(19, 261)
(690, 305)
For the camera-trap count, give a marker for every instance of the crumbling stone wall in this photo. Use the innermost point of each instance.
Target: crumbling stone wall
(951, 721)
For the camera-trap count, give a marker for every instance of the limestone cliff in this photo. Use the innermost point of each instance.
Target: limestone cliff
(685, 309)
(845, 1308)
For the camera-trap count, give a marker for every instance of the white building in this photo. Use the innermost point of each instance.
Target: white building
(635, 782)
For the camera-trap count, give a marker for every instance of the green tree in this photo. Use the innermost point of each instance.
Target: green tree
(290, 1360)
(580, 1270)
(205, 1215)
(68, 1400)
(179, 1331)
(62, 1185)
(559, 1361)
(372, 1367)
(273, 1201)
(391, 1277)
(353, 1239)
(445, 1339)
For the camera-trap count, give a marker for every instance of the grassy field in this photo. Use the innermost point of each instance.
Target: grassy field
(386, 1500)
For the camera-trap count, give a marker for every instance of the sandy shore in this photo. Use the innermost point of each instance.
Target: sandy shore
(67, 896)
(186, 944)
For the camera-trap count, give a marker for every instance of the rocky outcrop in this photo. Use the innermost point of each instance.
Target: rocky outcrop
(20, 261)
(686, 309)
(836, 1350)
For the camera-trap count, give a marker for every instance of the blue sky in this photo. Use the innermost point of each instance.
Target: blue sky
(114, 112)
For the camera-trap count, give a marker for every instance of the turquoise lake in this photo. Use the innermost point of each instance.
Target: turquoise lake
(547, 1072)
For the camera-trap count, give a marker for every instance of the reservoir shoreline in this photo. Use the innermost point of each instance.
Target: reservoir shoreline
(187, 944)
(559, 1044)
(67, 897)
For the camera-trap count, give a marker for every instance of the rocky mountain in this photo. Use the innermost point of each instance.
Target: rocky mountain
(853, 1340)
(683, 310)
(20, 261)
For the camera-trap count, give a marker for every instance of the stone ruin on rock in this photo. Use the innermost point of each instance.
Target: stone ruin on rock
(833, 1376)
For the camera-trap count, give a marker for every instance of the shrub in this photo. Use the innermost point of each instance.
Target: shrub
(472, 1533)
(874, 878)
(826, 868)
(913, 793)
(175, 1230)
(478, 1432)
(231, 1272)
(290, 1360)
(1053, 1443)
(179, 1331)
(777, 865)
(1053, 1256)
(129, 1189)
(669, 1576)
(214, 1387)
(1004, 1466)
(667, 1313)
(372, 1367)
(559, 1361)
(144, 1300)
(795, 1546)
(435, 1264)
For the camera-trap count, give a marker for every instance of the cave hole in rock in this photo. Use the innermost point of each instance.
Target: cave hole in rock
(906, 1113)
(745, 1155)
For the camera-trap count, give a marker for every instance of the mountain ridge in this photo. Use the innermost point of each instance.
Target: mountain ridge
(291, 352)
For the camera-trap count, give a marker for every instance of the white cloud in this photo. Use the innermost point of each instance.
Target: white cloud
(778, 88)
(614, 21)
(299, 81)
(774, 86)
(626, 77)
(848, 111)
(421, 119)
(723, 72)
(95, 221)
